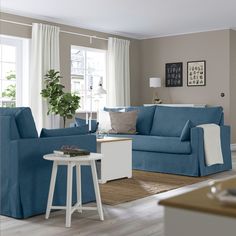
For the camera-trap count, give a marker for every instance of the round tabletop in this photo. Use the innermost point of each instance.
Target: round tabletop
(58, 157)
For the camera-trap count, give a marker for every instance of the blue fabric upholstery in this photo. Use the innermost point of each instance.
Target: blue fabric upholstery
(159, 144)
(82, 122)
(185, 134)
(25, 175)
(168, 154)
(169, 121)
(24, 120)
(191, 164)
(114, 109)
(64, 132)
(144, 119)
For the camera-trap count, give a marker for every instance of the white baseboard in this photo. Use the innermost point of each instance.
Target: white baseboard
(233, 147)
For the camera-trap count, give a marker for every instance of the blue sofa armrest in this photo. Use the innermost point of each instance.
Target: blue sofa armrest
(197, 145)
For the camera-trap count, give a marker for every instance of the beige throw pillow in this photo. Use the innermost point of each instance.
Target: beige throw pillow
(123, 122)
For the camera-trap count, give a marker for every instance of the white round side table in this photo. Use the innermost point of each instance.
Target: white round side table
(70, 162)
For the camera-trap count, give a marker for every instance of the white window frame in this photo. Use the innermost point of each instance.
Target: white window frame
(22, 62)
(85, 73)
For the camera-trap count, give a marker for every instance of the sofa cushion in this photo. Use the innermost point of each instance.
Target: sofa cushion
(24, 120)
(123, 122)
(64, 132)
(82, 122)
(145, 118)
(158, 144)
(185, 134)
(169, 121)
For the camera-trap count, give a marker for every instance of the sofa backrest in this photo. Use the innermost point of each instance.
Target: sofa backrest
(22, 122)
(144, 118)
(169, 121)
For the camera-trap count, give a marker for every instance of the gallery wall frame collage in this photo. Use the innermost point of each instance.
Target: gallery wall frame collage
(196, 74)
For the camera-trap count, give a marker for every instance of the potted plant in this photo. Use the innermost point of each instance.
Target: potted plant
(60, 103)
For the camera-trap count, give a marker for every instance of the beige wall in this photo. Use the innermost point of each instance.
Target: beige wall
(148, 58)
(233, 84)
(210, 46)
(66, 40)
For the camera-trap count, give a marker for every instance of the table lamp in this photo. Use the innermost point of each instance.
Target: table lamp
(155, 82)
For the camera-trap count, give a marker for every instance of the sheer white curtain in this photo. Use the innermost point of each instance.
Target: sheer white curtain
(44, 56)
(118, 82)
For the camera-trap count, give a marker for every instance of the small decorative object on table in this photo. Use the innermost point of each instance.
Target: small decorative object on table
(101, 134)
(223, 196)
(71, 151)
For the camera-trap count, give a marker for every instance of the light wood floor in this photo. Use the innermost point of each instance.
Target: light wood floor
(143, 217)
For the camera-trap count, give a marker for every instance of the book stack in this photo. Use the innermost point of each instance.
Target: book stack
(69, 152)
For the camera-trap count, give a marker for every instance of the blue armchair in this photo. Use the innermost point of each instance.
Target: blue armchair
(24, 174)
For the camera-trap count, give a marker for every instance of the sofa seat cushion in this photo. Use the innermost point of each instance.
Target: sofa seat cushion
(170, 121)
(158, 144)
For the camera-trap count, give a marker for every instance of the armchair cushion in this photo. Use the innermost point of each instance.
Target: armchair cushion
(24, 120)
(25, 123)
(82, 122)
(64, 132)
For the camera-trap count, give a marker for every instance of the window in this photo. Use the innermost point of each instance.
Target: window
(88, 67)
(11, 71)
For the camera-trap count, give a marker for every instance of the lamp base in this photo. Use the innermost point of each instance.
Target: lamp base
(157, 101)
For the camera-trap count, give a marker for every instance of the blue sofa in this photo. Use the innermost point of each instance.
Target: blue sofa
(157, 145)
(24, 174)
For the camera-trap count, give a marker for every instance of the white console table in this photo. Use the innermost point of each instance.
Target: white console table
(177, 105)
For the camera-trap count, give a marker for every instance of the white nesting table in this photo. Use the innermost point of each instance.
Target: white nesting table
(71, 162)
(117, 158)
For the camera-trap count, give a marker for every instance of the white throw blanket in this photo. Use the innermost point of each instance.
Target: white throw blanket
(212, 144)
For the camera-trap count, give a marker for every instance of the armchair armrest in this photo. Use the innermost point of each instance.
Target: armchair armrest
(37, 147)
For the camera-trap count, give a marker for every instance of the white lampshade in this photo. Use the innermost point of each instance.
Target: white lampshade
(100, 91)
(154, 82)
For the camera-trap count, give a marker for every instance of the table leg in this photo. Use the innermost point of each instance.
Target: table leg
(96, 189)
(78, 186)
(51, 189)
(69, 194)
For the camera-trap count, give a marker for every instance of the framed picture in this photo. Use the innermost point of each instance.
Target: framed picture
(174, 74)
(196, 72)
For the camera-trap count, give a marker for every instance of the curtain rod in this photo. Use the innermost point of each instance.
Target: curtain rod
(61, 31)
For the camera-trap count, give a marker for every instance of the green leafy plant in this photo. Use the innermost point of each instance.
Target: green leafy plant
(59, 102)
(10, 92)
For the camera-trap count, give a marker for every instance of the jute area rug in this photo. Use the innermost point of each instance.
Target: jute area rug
(141, 185)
